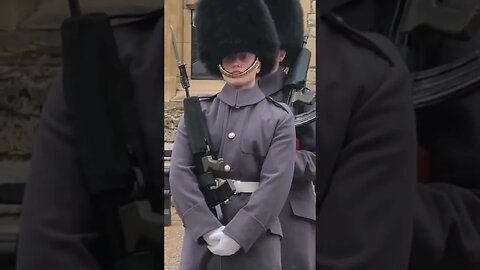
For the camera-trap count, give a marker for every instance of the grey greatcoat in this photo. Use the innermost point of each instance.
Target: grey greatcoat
(366, 152)
(261, 150)
(298, 214)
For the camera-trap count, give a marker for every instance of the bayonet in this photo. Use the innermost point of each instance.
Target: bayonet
(180, 65)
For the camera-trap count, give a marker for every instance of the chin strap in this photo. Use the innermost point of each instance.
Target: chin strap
(255, 65)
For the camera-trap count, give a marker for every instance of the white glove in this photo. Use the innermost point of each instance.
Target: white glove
(206, 236)
(226, 246)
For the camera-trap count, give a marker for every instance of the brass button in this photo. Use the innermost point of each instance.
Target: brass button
(227, 168)
(231, 135)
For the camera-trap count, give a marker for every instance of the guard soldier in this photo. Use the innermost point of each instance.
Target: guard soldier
(298, 214)
(446, 227)
(447, 206)
(366, 151)
(254, 136)
(59, 228)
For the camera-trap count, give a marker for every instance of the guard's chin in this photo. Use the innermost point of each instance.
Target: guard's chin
(235, 82)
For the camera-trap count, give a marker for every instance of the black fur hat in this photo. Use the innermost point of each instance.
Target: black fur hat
(288, 18)
(225, 27)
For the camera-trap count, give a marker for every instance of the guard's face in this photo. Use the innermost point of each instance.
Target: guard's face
(238, 63)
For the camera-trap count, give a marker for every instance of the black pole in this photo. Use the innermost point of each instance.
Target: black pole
(74, 8)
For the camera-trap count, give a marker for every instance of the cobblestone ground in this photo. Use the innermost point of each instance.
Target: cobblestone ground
(173, 236)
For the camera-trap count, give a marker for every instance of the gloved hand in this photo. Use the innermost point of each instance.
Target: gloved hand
(226, 246)
(206, 236)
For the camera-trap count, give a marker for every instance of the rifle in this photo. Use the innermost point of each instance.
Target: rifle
(436, 84)
(413, 25)
(215, 190)
(295, 85)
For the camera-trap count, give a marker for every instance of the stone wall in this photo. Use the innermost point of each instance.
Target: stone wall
(311, 44)
(28, 62)
(178, 15)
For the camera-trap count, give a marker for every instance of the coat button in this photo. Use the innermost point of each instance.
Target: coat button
(231, 135)
(227, 168)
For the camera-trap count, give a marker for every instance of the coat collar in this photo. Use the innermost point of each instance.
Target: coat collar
(239, 98)
(272, 83)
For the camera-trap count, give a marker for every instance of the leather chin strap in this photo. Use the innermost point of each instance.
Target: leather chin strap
(256, 64)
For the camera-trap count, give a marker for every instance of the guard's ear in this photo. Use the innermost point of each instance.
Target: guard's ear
(281, 55)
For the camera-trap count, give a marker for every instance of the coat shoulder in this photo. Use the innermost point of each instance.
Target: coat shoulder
(376, 43)
(280, 105)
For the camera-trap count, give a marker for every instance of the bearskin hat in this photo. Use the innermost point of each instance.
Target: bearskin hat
(288, 18)
(225, 27)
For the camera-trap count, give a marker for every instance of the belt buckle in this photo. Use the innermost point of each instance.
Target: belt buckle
(232, 187)
(231, 182)
(220, 181)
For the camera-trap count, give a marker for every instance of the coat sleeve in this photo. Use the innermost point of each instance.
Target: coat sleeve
(265, 204)
(305, 168)
(365, 219)
(189, 200)
(305, 160)
(57, 230)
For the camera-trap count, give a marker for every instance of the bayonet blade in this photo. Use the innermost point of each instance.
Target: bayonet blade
(175, 51)
(181, 67)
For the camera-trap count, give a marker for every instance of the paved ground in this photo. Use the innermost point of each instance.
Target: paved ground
(173, 236)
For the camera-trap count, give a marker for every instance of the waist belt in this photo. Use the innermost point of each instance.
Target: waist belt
(240, 186)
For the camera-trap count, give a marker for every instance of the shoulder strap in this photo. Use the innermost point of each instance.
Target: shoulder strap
(278, 104)
(207, 98)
